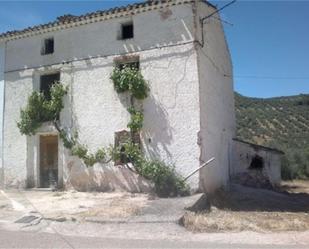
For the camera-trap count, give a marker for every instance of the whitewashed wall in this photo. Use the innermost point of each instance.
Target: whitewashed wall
(93, 107)
(2, 63)
(216, 96)
(17, 88)
(189, 115)
(151, 29)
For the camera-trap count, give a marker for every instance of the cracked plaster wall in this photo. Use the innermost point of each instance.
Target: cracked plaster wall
(217, 119)
(189, 94)
(93, 107)
(2, 62)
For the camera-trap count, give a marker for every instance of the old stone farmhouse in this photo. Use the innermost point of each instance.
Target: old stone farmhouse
(188, 116)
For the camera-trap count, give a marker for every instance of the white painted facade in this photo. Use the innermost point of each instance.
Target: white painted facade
(2, 65)
(216, 94)
(188, 117)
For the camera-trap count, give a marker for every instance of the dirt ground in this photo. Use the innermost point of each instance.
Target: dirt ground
(72, 205)
(258, 210)
(297, 186)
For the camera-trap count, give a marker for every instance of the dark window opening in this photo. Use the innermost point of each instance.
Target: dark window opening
(46, 82)
(134, 64)
(127, 31)
(121, 138)
(257, 163)
(48, 46)
(123, 158)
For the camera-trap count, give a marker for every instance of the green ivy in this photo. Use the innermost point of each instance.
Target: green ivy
(137, 119)
(82, 152)
(40, 110)
(130, 79)
(167, 181)
(68, 142)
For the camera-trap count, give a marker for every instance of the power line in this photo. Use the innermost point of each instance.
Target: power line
(218, 10)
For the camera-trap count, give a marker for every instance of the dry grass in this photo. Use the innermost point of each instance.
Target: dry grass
(296, 186)
(224, 220)
(117, 208)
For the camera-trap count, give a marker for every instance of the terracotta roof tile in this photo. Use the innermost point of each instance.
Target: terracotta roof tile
(86, 18)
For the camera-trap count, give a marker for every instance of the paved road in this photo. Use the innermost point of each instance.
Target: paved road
(16, 239)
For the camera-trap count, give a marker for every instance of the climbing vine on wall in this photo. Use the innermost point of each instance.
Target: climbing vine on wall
(39, 109)
(129, 80)
(167, 182)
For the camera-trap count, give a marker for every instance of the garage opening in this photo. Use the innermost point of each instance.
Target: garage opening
(257, 162)
(48, 161)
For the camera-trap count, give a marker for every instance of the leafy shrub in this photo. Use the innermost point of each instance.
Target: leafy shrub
(80, 151)
(130, 79)
(137, 119)
(88, 158)
(40, 110)
(32, 116)
(100, 155)
(68, 142)
(167, 181)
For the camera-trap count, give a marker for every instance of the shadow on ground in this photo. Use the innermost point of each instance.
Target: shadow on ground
(240, 198)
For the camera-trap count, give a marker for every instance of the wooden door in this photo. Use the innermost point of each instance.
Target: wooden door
(48, 161)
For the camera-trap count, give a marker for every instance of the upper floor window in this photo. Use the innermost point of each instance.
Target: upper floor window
(127, 61)
(127, 31)
(48, 46)
(46, 82)
(133, 64)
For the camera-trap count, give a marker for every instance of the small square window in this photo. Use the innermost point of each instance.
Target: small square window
(48, 46)
(127, 31)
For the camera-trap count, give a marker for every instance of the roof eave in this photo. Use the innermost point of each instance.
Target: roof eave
(93, 17)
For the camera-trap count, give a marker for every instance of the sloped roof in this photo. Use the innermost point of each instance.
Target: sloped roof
(257, 146)
(68, 21)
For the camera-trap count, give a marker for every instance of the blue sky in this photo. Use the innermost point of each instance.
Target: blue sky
(269, 40)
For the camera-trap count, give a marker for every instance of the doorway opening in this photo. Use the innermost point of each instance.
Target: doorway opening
(48, 161)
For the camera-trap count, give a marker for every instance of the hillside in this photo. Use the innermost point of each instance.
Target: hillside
(281, 123)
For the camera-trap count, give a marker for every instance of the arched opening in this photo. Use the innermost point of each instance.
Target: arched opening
(257, 162)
